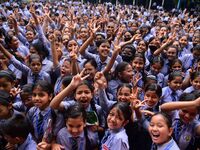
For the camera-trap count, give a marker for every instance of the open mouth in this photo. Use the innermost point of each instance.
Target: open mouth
(155, 136)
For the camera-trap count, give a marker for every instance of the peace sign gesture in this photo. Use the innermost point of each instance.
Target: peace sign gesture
(77, 79)
(137, 104)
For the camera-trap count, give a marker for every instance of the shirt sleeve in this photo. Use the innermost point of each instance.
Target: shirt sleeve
(19, 65)
(119, 144)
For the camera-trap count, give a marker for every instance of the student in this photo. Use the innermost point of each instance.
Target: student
(16, 130)
(7, 79)
(115, 137)
(39, 115)
(184, 114)
(6, 112)
(75, 133)
(33, 71)
(185, 47)
(160, 130)
(155, 68)
(173, 91)
(138, 65)
(25, 102)
(123, 74)
(174, 65)
(190, 60)
(195, 82)
(83, 93)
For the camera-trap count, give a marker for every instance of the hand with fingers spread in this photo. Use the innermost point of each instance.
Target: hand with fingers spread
(77, 79)
(15, 91)
(137, 104)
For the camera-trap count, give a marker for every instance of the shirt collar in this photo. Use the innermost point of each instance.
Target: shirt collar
(168, 144)
(23, 145)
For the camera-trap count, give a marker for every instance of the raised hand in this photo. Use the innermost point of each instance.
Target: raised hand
(137, 104)
(77, 79)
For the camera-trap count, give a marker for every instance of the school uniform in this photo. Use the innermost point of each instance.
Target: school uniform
(101, 118)
(23, 50)
(104, 102)
(65, 139)
(99, 112)
(169, 96)
(31, 78)
(19, 106)
(189, 89)
(112, 87)
(183, 133)
(170, 145)
(29, 144)
(39, 120)
(47, 65)
(160, 78)
(186, 50)
(188, 61)
(165, 68)
(115, 140)
(100, 65)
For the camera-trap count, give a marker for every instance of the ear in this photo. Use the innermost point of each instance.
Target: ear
(170, 131)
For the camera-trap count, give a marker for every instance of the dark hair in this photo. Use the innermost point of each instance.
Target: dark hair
(171, 63)
(154, 87)
(45, 86)
(196, 48)
(140, 55)
(124, 108)
(158, 59)
(28, 88)
(40, 48)
(120, 68)
(89, 85)
(174, 74)
(103, 41)
(33, 57)
(187, 97)
(9, 75)
(124, 85)
(92, 62)
(75, 111)
(66, 80)
(5, 98)
(16, 126)
(166, 117)
(175, 47)
(194, 75)
(8, 39)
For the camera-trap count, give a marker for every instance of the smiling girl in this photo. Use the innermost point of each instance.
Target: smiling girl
(160, 130)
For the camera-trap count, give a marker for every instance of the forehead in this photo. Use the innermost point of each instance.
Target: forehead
(82, 87)
(72, 42)
(138, 59)
(158, 118)
(125, 89)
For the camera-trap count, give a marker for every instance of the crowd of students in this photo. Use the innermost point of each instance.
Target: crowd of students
(98, 76)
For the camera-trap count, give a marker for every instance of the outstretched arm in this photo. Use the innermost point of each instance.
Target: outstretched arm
(180, 105)
(77, 79)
